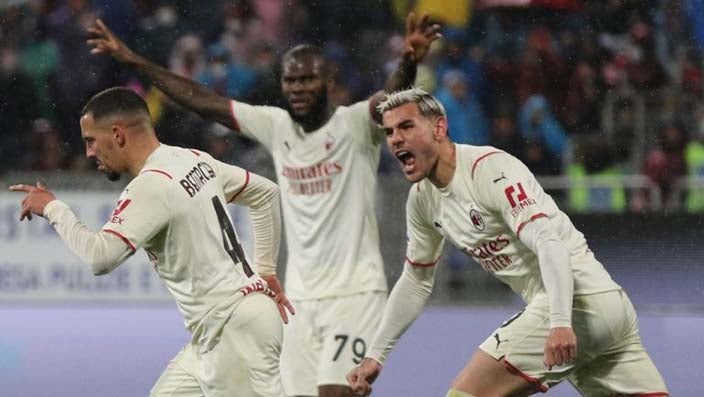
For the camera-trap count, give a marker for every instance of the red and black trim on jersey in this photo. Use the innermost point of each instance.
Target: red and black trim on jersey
(246, 183)
(419, 264)
(482, 157)
(158, 172)
(524, 223)
(123, 238)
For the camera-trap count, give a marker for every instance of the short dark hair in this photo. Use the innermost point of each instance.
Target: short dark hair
(304, 50)
(115, 100)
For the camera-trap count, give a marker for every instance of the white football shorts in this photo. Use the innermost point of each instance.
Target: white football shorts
(326, 339)
(244, 363)
(610, 356)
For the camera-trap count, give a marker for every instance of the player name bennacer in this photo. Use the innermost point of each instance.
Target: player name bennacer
(197, 178)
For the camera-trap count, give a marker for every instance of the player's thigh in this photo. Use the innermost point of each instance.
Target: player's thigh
(178, 379)
(246, 360)
(624, 367)
(301, 349)
(484, 375)
(518, 345)
(349, 324)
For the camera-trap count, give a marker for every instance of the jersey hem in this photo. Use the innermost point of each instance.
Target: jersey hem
(336, 295)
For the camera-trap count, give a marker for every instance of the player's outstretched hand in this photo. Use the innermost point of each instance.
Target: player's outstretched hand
(279, 297)
(35, 201)
(419, 36)
(560, 347)
(362, 376)
(104, 41)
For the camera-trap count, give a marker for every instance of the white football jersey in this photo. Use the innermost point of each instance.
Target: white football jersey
(175, 210)
(490, 199)
(328, 186)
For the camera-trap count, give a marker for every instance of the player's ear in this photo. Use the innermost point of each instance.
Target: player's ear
(118, 134)
(440, 128)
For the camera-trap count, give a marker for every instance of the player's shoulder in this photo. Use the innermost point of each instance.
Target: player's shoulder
(484, 161)
(355, 111)
(422, 193)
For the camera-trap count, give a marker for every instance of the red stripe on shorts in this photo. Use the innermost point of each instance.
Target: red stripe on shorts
(533, 381)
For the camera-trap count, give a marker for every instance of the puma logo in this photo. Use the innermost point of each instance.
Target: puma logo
(500, 178)
(498, 341)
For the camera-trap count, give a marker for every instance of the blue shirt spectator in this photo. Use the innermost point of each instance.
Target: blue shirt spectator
(465, 115)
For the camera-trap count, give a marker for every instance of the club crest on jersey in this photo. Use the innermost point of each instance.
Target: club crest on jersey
(476, 219)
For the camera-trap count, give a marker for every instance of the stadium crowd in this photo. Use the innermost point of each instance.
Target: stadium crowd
(602, 88)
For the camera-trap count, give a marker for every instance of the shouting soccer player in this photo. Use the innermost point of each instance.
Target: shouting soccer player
(174, 208)
(326, 161)
(487, 203)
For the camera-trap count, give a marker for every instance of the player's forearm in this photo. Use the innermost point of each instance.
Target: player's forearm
(189, 94)
(405, 303)
(403, 77)
(102, 252)
(555, 269)
(265, 211)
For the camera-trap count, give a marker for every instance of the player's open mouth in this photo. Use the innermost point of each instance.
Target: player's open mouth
(407, 160)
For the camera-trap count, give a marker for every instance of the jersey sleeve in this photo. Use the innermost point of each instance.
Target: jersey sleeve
(257, 122)
(506, 186)
(142, 211)
(261, 196)
(424, 242)
(364, 128)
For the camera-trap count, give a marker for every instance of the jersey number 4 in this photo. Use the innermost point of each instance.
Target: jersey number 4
(229, 238)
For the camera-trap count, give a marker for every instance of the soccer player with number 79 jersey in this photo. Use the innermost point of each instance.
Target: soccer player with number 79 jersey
(487, 203)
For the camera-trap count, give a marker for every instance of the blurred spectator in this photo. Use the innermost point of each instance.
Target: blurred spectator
(583, 102)
(694, 157)
(594, 158)
(187, 57)
(39, 59)
(537, 124)
(623, 123)
(45, 150)
(18, 106)
(504, 135)
(465, 116)
(231, 148)
(79, 75)
(226, 76)
(457, 57)
(158, 31)
(665, 164)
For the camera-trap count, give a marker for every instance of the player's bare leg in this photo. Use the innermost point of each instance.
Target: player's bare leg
(486, 376)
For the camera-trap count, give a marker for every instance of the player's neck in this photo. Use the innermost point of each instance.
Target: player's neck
(444, 168)
(317, 119)
(142, 149)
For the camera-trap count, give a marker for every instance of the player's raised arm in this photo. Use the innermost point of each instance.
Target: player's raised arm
(101, 251)
(420, 34)
(191, 95)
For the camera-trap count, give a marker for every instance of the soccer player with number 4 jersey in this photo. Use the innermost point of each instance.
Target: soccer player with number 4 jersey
(487, 203)
(174, 208)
